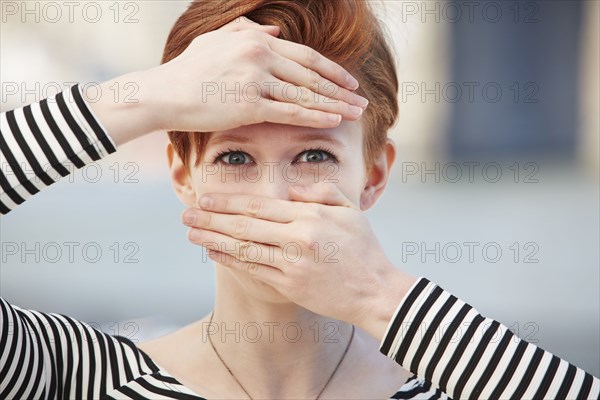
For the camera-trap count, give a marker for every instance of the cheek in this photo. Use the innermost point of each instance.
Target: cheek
(307, 173)
(224, 178)
(348, 178)
(353, 181)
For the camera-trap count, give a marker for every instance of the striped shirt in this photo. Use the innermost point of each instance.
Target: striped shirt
(451, 349)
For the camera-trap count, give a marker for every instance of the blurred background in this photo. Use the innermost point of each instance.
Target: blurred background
(494, 195)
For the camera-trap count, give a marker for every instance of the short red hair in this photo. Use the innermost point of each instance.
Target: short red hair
(345, 31)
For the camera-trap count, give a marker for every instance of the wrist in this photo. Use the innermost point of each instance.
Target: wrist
(384, 305)
(122, 106)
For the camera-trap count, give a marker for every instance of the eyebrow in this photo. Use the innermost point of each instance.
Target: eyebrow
(307, 137)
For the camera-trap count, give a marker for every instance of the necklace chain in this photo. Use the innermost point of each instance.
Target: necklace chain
(242, 386)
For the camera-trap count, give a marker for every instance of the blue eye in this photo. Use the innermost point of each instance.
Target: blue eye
(239, 157)
(234, 158)
(315, 156)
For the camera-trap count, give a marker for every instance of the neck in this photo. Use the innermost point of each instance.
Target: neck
(273, 348)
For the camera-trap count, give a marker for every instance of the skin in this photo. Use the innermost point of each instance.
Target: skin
(301, 213)
(180, 94)
(172, 90)
(309, 290)
(249, 298)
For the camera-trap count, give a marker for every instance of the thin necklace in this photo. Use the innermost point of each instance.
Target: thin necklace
(242, 386)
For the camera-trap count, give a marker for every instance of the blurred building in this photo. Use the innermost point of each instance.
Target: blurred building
(492, 82)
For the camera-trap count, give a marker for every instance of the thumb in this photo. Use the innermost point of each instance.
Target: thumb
(321, 192)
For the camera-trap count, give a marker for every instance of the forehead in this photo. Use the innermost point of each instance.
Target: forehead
(347, 134)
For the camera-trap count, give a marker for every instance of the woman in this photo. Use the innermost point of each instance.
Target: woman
(280, 263)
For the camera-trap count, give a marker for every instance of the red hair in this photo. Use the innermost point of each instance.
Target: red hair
(345, 31)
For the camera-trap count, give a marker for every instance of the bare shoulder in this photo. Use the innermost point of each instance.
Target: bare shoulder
(181, 355)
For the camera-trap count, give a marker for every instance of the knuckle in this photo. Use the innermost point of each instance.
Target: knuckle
(254, 207)
(306, 238)
(240, 226)
(256, 51)
(313, 78)
(207, 219)
(305, 96)
(292, 110)
(242, 251)
(252, 268)
(310, 56)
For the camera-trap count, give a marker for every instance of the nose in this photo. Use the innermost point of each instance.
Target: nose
(274, 181)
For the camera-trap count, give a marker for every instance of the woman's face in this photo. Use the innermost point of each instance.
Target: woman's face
(265, 159)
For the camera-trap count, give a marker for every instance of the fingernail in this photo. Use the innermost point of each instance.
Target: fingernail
(206, 202)
(334, 117)
(356, 111)
(194, 234)
(363, 102)
(188, 217)
(351, 82)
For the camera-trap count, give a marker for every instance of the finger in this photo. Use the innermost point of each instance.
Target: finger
(300, 95)
(266, 208)
(267, 274)
(312, 59)
(320, 192)
(237, 226)
(242, 250)
(293, 114)
(242, 23)
(272, 30)
(291, 71)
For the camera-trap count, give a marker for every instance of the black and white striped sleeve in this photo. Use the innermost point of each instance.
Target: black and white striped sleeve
(42, 142)
(53, 356)
(447, 342)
